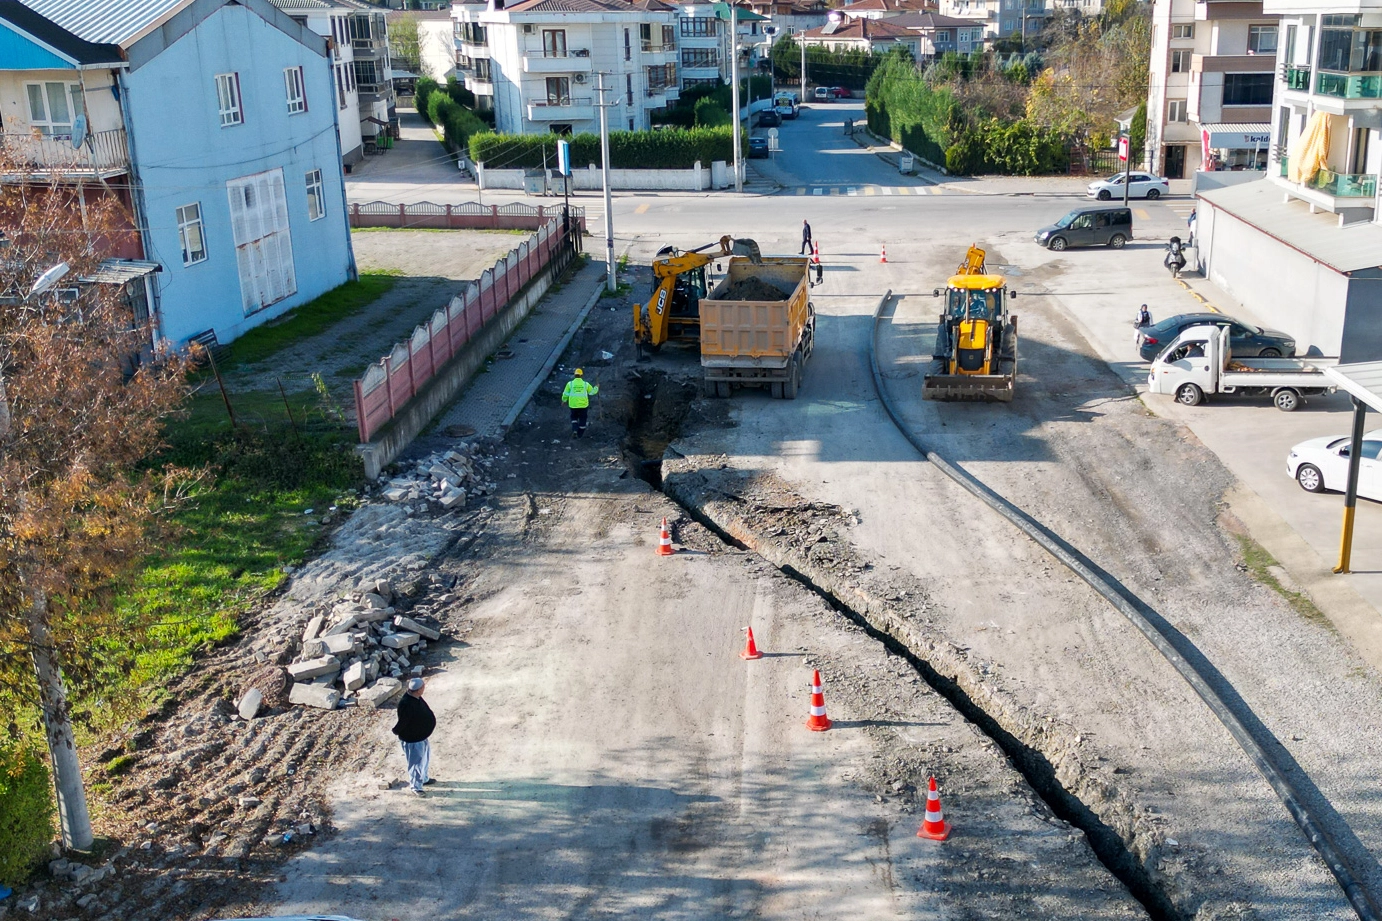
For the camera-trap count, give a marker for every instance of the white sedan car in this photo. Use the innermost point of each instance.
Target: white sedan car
(1141, 185)
(1321, 464)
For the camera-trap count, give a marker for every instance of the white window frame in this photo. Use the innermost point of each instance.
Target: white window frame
(190, 223)
(228, 100)
(1180, 60)
(72, 96)
(1183, 30)
(295, 89)
(1175, 111)
(263, 239)
(1261, 29)
(316, 196)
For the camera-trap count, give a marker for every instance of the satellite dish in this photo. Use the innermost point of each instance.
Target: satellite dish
(79, 131)
(834, 17)
(49, 278)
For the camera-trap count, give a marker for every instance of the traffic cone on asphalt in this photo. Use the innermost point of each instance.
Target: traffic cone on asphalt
(817, 721)
(750, 650)
(934, 826)
(815, 254)
(884, 257)
(664, 541)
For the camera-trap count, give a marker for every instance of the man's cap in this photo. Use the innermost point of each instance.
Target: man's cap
(579, 372)
(415, 684)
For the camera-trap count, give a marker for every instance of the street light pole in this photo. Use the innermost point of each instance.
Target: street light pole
(734, 91)
(802, 38)
(610, 283)
(1127, 166)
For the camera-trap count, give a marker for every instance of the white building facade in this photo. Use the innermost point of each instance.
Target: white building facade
(539, 62)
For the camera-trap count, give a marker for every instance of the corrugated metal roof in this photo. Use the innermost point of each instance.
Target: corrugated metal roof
(1319, 236)
(1361, 379)
(113, 21)
(119, 271)
(299, 5)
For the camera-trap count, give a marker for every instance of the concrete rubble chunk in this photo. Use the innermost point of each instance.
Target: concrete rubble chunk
(249, 704)
(314, 668)
(345, 626)
(412, 626)
(29, 904)
(394, 494)
(341, 644)
(314, 648)
(400, 640)
(443, 472)
(315, 695)
(371, 600)
(380, 693)
(454, 498)
(384, 589)
(354, 677)
(313, 629)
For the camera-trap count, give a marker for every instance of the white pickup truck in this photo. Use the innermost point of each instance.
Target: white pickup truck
(1198, 362)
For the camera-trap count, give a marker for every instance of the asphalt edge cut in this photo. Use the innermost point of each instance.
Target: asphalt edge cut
(1152, 627)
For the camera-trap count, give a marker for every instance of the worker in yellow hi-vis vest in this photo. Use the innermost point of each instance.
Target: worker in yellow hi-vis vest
(577, 396)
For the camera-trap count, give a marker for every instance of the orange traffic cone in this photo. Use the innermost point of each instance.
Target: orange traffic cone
(815, 254)
(934, 826)
(817, 721)
(664, 541)
(750, 650)
(884, 257)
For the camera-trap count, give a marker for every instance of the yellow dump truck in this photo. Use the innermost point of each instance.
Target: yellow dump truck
(758, 327)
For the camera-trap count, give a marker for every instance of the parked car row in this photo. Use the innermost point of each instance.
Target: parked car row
(830, 93)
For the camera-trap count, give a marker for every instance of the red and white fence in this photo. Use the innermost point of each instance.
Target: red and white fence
(392, 381)
(465, 216)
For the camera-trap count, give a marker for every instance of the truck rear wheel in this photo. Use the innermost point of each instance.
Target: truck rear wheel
(722, 389)
(775, 389)
(1189, 395)
(1286, 400)
(793, 382)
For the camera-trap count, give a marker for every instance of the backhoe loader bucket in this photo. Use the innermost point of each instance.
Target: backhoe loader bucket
(748, 248)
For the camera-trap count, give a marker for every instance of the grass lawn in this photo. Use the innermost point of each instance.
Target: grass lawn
(310, 319)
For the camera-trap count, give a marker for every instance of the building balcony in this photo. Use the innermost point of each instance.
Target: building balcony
(574, 109)
(368, 48)
(1296, 77)
(104, 154)
(1349, 85)
(573, 62)
(1352, 196)
(473, 49)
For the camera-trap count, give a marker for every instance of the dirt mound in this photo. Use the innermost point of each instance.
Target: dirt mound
(753, 289)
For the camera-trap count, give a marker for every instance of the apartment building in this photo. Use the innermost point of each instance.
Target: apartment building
(1303, 246)
(1000, 18)
(791, 16)
(212, 122)
(703, 43)
(940, 35)
(1210, 83)
(536, 63)
(886, 9)
(864, 34)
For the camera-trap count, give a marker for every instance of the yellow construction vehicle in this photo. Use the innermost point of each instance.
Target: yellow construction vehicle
(975, 357)
(673, 312)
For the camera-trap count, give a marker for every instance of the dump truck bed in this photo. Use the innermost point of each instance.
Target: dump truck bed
(764, 329)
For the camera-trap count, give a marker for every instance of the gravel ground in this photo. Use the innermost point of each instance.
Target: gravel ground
(1140, 496)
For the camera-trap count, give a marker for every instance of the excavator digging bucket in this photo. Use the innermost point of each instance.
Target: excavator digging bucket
(748, 248)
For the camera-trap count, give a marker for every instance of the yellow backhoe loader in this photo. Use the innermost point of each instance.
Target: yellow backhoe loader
(975, 357)
(673, 312)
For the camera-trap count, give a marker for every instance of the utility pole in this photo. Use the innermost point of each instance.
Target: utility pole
(734, 92)
(801, 37)
(1126, 147)
(610, 283)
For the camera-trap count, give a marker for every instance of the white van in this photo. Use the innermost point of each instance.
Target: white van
(785, 104)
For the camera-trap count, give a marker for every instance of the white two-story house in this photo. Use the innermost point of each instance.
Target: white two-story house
(540, 61)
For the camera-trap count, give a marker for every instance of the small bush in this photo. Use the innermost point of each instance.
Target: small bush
(456, 123)
(26, 813)
(120, 764)
(709, 114)
(459, 94)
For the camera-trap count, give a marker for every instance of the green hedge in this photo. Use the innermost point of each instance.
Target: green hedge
(457, 124)
(669, 148)
(426, 88)
(683, 112)
(26, 813)
(1020, 148)
(824, 67)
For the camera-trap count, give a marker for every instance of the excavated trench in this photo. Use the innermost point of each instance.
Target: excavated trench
(660, 407)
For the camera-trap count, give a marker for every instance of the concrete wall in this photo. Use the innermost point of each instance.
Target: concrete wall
(183, 155)
(1363, 317)
(591, 179)
(1203, 181)
(1284, 288)
(437, 47)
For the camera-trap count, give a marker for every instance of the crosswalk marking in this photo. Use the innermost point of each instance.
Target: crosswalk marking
(887, 190)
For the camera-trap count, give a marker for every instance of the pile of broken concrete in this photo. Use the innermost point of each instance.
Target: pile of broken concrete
(359, 653)
(446, 479)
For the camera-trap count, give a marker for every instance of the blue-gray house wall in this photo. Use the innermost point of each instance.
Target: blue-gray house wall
(182, 155)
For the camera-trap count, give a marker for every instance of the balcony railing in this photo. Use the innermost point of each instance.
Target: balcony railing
(1345, 185)
(1285, 167)
(657, 47)
(1349, 86)
(1297, 77)
(104, 153)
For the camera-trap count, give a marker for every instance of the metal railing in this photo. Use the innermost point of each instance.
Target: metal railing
(101, 152)
(561, 102)
(1345, 185)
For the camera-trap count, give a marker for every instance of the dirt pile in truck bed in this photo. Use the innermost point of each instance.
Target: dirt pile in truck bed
(753, 289)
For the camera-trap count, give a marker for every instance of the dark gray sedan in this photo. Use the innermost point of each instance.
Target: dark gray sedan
(1244, 339)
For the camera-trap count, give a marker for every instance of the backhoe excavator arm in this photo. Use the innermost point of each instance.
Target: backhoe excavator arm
(652, 319)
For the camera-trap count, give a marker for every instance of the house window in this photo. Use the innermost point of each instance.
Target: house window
(628, 52)
(1180, 61)
(263, 242)
(190, 234)
(228, 99)
(1262, 39)
(1175, 110)
(554, 43)
(559, 91)
(1183, 30)
(700, 57)
(482, 70)
(1248, 89)
(669, 36)
(53, 107)
(943, 35)
(297, 93)
(316, 200)
(368, 75)
(628, 88)
(698, 27)
(340, 86)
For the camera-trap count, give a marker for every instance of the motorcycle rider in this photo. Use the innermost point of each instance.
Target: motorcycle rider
(1175, 257)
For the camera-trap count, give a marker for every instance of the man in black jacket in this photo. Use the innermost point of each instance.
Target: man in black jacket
(415, 724)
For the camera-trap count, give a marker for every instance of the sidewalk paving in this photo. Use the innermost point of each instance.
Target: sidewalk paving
(505, 381)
